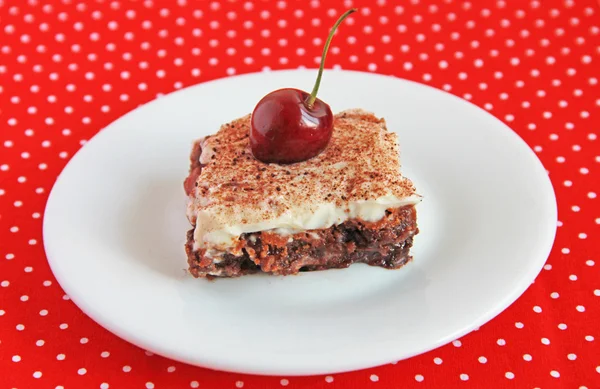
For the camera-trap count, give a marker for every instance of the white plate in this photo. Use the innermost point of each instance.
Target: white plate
(114, 232)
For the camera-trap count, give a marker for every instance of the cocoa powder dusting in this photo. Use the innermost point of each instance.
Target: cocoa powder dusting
(361, 162)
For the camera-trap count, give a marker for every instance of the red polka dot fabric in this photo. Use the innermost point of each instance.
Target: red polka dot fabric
(68, 68)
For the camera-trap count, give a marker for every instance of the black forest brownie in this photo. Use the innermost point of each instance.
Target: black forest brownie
(348, 204)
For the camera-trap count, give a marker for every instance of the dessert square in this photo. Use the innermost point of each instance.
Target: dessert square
(348, 204)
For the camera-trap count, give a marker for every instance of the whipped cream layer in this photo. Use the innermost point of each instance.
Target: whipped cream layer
(312, 217)
(356, 176)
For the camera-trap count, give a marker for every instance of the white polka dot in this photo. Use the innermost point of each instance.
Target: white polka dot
(4, 284)
(374, 377)
(545, 341)
(16, 358)
(580, 308)
(437, 361)
(419, 378)
(589, 338)
(457, 343)
(501, 342)
(104, 354)
(589, 262)
(20, 327)
(44, 312)
(555, 374)
(24, 298)
(519, 325)
(464, 377)
(572, 357)
(573, 277)
(104, 385)
(37, 374)
(482, 359)
(509, 375)
(149, 385)
(194, 384)
(562, 326)
(63, 326)
(61, 357)
(126, 368)
(554, 295)
(527, 357)
(537, 309)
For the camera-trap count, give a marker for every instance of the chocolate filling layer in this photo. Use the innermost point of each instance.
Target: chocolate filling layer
(385, 243)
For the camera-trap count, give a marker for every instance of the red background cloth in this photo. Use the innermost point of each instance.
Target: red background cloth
(69, 68)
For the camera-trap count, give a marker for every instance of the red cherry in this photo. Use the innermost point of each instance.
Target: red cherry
(289, 125)
(285, 130)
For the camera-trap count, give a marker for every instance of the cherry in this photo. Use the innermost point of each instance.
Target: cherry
(289, 125)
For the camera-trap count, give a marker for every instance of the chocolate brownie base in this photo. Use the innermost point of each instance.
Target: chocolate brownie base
(385, 243)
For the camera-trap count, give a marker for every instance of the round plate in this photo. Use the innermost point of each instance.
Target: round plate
(115, 226)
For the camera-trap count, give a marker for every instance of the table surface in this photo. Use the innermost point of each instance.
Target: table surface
(69, 68)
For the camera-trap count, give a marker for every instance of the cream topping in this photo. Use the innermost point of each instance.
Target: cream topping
(356, 176)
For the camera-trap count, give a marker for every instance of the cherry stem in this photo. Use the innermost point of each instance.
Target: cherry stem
(313, 94)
